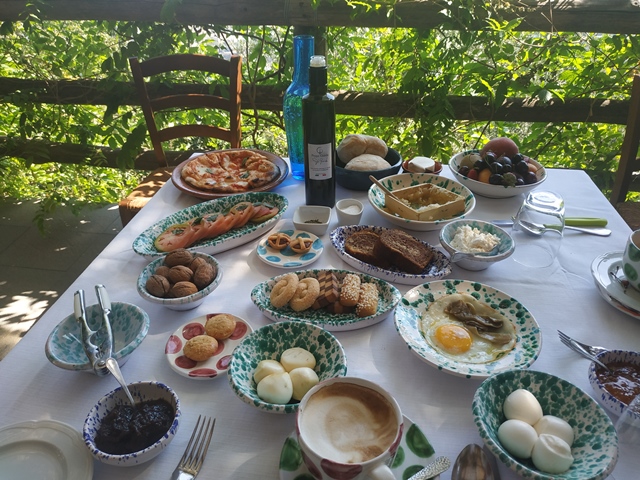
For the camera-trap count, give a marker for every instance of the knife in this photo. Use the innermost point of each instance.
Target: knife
(600, 231)
(573, 221)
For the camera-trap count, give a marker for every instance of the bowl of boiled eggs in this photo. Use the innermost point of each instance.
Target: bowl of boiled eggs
(274, 366)
(544, 427)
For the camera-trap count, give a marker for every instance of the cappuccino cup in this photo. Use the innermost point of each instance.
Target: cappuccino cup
(349, 428)
(631, 260)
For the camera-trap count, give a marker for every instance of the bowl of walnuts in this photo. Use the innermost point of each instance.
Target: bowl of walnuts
(180, 280)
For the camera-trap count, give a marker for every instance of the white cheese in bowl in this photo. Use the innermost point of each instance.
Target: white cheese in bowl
(469, 239)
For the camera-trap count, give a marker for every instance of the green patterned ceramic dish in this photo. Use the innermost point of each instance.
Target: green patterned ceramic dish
(129, 324)
(268, 343)
(388, 298)
(416, 301)
(395, 182)
(414, 453)
(595, 445)
(144, 243)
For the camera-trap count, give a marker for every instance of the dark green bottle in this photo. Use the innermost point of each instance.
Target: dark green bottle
(319, 125)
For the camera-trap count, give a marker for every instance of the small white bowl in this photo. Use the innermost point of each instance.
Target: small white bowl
(605, 397)
(349, 211)
(493, 191)
(312, 218)
(64, 347)
(180, 303)
(477, 262)
(141, 391)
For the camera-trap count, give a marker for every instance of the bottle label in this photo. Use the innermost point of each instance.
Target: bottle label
(320, 161)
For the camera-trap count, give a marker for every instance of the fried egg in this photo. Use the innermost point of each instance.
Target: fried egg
(455, 339)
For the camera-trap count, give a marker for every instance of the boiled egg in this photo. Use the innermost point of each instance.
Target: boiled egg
(276, 388)
(551, 454)
(522, 405)
(267, 367)
(297, 357)
(552, 425)
(517, 437)
(303, 379)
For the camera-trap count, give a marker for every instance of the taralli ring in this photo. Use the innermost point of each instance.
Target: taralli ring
(279, 241)
(284, 290)
(301, 245)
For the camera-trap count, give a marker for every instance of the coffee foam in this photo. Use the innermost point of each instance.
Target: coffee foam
(348, 423)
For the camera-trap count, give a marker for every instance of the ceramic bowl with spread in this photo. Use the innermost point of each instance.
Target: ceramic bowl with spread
(616, 388)
(129, 324)
(474, 244)
(143, 444)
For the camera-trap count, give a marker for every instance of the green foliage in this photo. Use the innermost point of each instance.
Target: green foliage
(472, 52)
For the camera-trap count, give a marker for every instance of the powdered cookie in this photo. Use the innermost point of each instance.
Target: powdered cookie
(306, 293)
(220, 326)
(350, 290)
(283, 290)
(368, 301)
(200, 348)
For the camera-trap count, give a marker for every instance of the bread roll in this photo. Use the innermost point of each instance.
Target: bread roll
(356, 144)
(367, 162)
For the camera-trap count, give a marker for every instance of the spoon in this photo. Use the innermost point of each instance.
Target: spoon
(457, 256)
(436, 467)
(472, 464)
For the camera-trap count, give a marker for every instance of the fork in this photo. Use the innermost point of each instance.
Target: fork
(196, 451)
(587, 351)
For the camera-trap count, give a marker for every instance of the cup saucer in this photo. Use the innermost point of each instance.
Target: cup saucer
(607, 273)
(415, 451)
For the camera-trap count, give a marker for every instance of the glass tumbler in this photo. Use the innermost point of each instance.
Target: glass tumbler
(538, 228)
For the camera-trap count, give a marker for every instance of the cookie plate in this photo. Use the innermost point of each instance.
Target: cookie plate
(388, 298)
(287, 258)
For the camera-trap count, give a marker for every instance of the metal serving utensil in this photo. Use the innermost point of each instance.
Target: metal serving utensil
(540, 229)
(439, 465)
(473, 464)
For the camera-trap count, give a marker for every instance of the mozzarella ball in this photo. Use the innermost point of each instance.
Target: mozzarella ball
(276, 388)
(551, 454)
(297, 357)
(552, 425)
(517, 437)
(522, 405)
(267, 367)
(303, 379)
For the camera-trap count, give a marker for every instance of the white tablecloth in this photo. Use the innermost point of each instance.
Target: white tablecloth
(247, 442)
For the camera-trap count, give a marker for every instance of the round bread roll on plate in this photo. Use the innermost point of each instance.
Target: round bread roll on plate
(367, 162)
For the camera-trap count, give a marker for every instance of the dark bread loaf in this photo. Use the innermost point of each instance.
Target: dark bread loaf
(361, 246)
(403, 250)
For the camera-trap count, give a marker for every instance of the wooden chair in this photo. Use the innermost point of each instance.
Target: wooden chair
(152, 105)
(629, 162)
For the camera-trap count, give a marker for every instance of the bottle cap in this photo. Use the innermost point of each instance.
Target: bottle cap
(318, 61)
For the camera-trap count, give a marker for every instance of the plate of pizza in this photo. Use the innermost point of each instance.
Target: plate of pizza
(219, 173)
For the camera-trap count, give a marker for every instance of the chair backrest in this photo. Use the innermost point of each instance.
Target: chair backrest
(629, 161)
(183, 63)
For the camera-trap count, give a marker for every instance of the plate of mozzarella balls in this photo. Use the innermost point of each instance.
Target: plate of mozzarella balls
(362, 155)
(543, 427)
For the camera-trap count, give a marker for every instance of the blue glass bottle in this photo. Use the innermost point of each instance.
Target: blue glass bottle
(292, 104)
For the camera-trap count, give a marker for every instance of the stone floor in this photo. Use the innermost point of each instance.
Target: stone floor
(35, 268)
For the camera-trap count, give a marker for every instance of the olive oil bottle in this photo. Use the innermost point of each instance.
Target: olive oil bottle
(319, 125)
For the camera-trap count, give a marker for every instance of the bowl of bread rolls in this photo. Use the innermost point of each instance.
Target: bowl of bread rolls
(362, 155)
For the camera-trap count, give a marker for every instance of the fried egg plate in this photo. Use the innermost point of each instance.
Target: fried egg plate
(462, 328)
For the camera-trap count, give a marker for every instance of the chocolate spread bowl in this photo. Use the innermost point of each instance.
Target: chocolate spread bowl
(617, 387)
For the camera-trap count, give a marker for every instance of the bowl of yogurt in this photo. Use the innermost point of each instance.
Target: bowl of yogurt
(474, 244)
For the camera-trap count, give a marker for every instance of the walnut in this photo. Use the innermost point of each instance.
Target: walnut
(163, 270)
(196, 262)
(183, 289)
(178, 257)
(180, 273)
(158, 286)
(204, 275)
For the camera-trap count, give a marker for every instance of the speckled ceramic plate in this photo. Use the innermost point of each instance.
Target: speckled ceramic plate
(595, 445)
(388, 298)
(268, 343)
(414, 453)
(395, 182)
(439, 267)
(44, 449)
(144, 243)
(181, 184)
(211, 368)
(603, 269)
(416, 302)
(287, 258)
